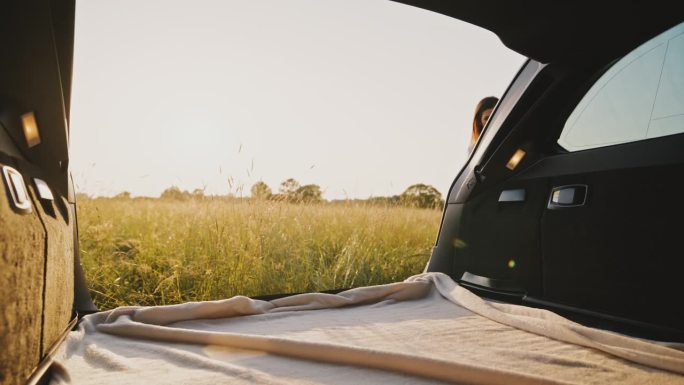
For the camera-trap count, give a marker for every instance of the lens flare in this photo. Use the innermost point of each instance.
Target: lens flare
(459, 243)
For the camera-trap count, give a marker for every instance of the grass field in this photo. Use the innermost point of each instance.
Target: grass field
(154, 251)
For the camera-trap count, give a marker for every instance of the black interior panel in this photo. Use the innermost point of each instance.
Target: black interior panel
(444, 258)
(612, 259)
(620, 254)
(501, 239)
(549, 31)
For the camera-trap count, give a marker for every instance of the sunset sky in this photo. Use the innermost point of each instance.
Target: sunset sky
(362, 97)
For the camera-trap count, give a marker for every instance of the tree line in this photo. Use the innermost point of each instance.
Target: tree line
(418, 195)
(290, 190)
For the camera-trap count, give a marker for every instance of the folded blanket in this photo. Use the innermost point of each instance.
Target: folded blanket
(426, 329)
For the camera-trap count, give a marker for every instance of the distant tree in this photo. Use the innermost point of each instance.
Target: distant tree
(421, 196)
(123, 195)
(309, 193)
(175, 193)
(289, 188)
(198, 193)
(261, 191)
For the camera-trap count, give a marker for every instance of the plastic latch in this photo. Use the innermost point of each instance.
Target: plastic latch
(16, 190)
(44, 191)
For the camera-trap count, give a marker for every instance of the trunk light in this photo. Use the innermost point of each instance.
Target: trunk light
(515, 159)
(28, 121)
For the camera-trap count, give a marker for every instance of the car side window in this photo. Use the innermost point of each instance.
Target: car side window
(640, 97)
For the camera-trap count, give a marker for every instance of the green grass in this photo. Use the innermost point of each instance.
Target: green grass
(155, 252)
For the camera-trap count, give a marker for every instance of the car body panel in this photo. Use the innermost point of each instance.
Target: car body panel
(38, 242)
(611, 260)
(552, 31)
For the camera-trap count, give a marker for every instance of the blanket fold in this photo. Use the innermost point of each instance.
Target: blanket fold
(359, 328)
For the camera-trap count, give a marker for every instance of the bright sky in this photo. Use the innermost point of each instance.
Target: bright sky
(362, 97)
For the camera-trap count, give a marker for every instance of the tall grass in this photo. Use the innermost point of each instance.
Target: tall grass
(153, 251)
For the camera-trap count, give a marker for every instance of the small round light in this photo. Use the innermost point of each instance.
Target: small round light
(511, 263)
(459, 243)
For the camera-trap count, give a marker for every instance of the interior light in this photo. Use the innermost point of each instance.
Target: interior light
(28, 121)
(515, 159)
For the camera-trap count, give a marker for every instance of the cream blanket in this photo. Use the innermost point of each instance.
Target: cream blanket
(424, 330)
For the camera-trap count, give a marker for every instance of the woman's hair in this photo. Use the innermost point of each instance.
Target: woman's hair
(484, 104)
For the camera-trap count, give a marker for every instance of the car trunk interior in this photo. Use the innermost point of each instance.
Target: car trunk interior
(613, 260)
(610, 261)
